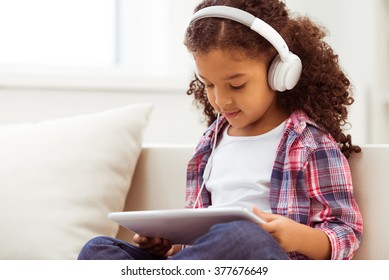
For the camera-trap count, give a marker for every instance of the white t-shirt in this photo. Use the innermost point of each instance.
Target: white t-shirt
(241, 168)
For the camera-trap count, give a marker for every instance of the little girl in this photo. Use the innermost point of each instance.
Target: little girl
(276, 101)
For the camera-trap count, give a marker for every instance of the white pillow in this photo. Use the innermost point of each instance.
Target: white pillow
(60, 178)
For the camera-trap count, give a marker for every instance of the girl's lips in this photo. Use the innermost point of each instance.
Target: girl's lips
(230, 115)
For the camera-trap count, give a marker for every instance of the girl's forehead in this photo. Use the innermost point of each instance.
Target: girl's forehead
(226, 65)
(233, 54)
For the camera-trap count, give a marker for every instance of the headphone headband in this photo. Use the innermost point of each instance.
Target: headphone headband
(247, 19)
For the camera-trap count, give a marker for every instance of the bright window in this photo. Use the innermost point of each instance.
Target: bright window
(89, 43)
(57, 32)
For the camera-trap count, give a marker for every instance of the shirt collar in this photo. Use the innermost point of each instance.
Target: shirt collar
(297, 122)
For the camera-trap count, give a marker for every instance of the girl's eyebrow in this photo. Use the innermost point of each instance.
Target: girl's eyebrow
(201, 77)
(234, 76)
(228, 78)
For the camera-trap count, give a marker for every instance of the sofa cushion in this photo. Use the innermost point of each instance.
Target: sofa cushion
(60, 178)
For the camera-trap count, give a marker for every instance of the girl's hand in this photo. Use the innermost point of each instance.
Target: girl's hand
(284, 230)
(154, 245)
(293, 236)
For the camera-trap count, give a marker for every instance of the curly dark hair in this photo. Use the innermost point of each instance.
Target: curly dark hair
(323, 91)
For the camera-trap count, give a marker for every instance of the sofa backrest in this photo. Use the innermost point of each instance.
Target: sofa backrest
(370, 172)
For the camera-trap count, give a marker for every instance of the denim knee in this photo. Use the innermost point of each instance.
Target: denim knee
(238, 240)
(109, 248)
(248, 240)
(237, 230)
(93, 246)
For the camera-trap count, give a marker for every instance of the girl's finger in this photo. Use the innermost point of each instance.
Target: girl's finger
(263, 215)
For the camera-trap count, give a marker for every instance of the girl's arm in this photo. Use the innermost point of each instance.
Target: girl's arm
(336, 223)
(333, 209)
(296, 237)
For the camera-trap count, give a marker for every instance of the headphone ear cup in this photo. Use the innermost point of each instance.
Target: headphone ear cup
(284, 75)
(272, 76)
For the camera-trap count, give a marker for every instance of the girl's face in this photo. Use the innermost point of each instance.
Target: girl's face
(237, 87)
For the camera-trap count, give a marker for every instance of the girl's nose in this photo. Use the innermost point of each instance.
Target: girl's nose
(222, 98)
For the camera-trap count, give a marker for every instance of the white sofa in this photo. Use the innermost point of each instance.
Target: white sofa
(160, 177)
(59, 179)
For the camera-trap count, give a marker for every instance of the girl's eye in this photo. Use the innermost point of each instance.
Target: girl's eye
(209, 86)
(237, 87)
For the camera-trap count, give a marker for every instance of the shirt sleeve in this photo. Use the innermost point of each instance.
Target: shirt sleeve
(333, 206)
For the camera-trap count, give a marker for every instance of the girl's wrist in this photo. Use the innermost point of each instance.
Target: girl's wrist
(313, 243)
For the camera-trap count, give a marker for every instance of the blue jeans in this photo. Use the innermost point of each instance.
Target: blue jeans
(239, 240)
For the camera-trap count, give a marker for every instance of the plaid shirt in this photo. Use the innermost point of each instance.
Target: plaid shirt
(310, 183)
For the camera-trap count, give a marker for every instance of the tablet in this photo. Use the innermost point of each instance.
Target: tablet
(180, 226)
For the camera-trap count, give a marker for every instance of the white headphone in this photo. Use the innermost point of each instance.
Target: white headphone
(285, 69)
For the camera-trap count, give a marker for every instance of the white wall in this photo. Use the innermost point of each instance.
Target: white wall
(155, 37)
(358, 32)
